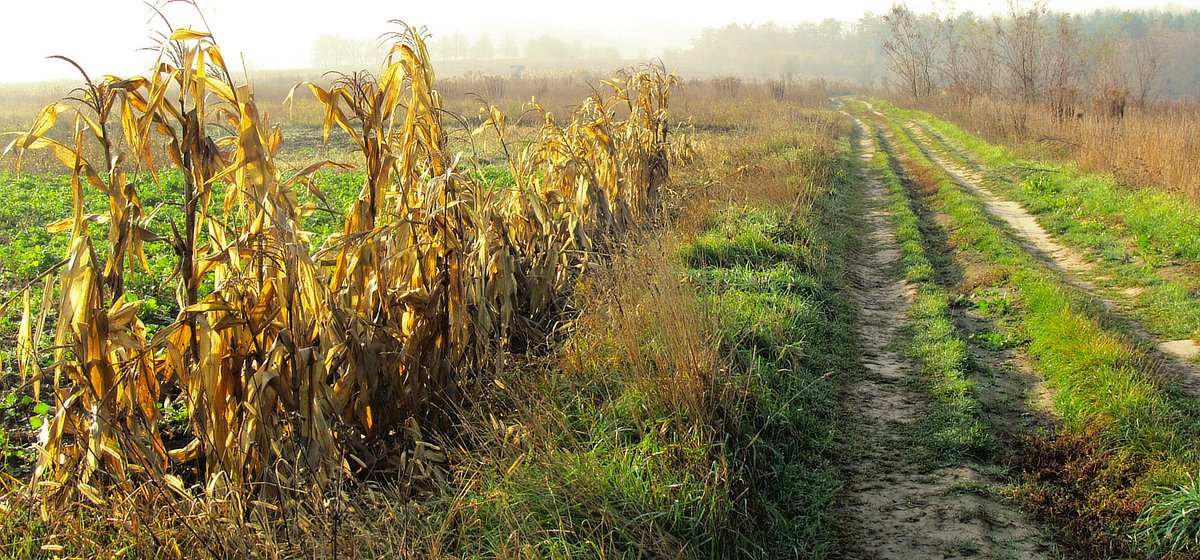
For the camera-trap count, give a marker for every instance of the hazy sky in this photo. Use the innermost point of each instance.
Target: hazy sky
(104, 35)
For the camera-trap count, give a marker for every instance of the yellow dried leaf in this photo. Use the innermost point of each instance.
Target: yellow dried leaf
(189, 34)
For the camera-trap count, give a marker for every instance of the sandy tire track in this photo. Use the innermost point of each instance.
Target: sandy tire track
(893, 507)
(1172, 357)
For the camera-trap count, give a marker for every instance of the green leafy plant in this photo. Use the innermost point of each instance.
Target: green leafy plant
(39, 415)
(997, 341)
(994, 306)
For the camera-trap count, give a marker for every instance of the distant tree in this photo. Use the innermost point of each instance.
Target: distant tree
(790, 68)
(483, 48)
(1065, 63)
(910, 50)
(1027, 53)
(509, 49)
(550, 48)
(953, 67)
(829, 30)
(603, 52)
(1107, 68)
(1145, 57)
(867, 40)
(337, 51)
(1022, 42)
(1178, 72)
(450, 47)
(1065, 69)
(979, 56)
(326, 51)
(458, 46)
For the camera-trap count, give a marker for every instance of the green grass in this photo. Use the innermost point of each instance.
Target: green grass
(35, 201)
(786, 329)
(789, 328)
(743, 241)
(493, 177)
(33, 535)
(614, 492)
(1139, 434)
(775, 276)
(1171, 521)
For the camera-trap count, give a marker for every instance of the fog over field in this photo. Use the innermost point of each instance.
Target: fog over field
(280, 35)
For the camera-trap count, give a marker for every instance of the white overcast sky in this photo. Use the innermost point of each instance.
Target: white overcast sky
(104, 35)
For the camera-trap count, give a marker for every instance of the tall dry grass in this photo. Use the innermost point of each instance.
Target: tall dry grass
(1154, 146)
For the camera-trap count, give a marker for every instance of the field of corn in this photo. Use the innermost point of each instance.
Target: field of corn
(297, 364)
(293, 362)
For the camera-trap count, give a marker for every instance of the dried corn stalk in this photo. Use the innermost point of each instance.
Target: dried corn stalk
(294, 363)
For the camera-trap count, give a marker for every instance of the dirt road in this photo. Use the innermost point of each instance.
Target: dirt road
(895, 506)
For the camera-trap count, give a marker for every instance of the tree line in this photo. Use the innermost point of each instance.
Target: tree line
(338, 51)
(1031, 54)
(1027, 53)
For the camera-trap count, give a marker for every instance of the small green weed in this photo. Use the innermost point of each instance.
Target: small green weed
(1172, 522)
(997, 341)
(996, 305)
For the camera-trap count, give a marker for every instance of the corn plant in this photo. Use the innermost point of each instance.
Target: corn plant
(303, 366)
